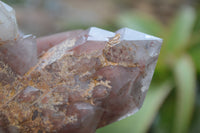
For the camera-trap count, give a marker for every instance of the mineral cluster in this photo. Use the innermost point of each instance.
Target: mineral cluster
(89, 80)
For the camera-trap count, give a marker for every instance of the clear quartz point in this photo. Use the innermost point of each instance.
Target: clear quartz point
(17, 51)
(8, 24)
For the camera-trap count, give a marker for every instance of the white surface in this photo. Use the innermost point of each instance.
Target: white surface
(97, 34)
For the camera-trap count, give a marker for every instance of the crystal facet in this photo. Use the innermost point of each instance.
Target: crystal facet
(89, 80)
(20, 55)
(8, 24)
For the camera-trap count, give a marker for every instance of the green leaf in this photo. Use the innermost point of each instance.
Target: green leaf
(141, 22)
(141, 121)
(164, 120)
(181, 29)
(194, 52)
(185, 80)
(197, 23)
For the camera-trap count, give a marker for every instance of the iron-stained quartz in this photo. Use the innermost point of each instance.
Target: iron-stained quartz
(88, 81)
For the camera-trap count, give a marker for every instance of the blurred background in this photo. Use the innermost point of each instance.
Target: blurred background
(172, 104)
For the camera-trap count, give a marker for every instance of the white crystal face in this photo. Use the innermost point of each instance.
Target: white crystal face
(97, 34)
(8, 24)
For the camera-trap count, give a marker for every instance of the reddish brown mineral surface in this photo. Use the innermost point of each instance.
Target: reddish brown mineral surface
(89, 80)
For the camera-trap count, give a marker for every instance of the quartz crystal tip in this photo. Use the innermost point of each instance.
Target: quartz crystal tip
(8, 24)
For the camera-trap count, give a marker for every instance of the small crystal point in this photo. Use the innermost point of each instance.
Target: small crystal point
(8, 24)
(18, 52)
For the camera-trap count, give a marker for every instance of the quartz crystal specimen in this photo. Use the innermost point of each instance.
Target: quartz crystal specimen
(89, 80)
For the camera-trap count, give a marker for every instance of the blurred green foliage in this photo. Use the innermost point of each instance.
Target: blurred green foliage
(172, 99)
